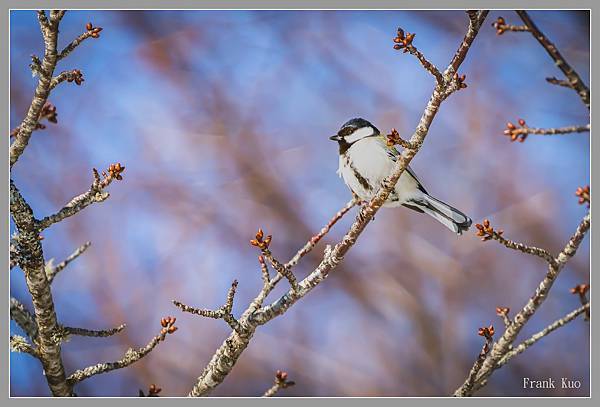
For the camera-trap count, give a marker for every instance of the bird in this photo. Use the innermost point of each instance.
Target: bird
(365, 159)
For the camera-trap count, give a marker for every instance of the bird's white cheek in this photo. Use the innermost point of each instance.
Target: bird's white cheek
(359, 134)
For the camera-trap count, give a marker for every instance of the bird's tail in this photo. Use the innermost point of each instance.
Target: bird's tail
(450, 217)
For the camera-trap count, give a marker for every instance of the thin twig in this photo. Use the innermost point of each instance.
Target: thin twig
(73, 75)
(22, 317)
(20, 344)
(469, 383)
(95, 194)
(130, 357)
(574, 79)
(559, 82)
(546, 331)
(505, 343)
(224, 312)
(488, 233)
(52, 271)
(313, 241)
(91, 32)
(227, 354)
(282, 269)
(501, 26)
(93, 333)
(522, 132)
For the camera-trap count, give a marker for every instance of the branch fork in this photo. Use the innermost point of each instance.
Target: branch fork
(224, 312)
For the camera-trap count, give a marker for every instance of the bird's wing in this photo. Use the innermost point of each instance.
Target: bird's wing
(394, 154)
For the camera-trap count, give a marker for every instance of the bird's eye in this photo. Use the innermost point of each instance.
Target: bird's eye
(346, 131)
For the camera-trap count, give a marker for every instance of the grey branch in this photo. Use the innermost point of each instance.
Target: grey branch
(551, 131)
(224, 312)
(27, 248)
(33, 265)
(93, 333)
(52, 270)
(130, 357)
(69, 76)
(546, 331)
(312, 242)
(489, 233)
(22, 317)
(282, 269)
(42, 90)
(226, 356)
(20, 344)
(431, 68)
(559, 82)
(468, 386)
(505, 343)
(75, 43)
(95, 194)
(573, 77)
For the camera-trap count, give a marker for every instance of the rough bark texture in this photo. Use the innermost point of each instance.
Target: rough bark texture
(503, 349)
(33, 265)
(504, 345)
(42, 90)
(26, 248)
(228, 353)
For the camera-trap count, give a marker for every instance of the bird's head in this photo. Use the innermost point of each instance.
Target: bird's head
(353, 131)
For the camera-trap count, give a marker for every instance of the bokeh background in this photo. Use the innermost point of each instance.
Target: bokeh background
(221, 119)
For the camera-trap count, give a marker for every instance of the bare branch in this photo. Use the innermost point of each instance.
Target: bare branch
(91, 32)
(130, 357)
(32, 263)
(93, 333)
(403, 42)
(504, 344)
(73, 75)
(42, 91)
(546, 331)
(281, 382)
(521, 133)
(487, 333)
(578, 85)
(20, 344)
(282, 269)
(228, 353)
(95, 194)
(559, 82)
(501, 26)
(224, 312)
(313, 241)
(52, 271)
(22, 317)
(488, 233)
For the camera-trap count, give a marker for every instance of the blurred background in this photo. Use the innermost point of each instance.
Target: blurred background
(222, 120)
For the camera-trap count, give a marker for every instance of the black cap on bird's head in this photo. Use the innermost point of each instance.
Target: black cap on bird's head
(354, 130)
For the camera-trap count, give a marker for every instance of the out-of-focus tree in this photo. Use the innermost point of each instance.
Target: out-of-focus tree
(220, 117)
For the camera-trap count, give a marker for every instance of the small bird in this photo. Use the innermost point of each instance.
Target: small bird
(366, 159)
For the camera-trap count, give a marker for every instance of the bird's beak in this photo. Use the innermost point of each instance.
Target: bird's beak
(335, 138)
